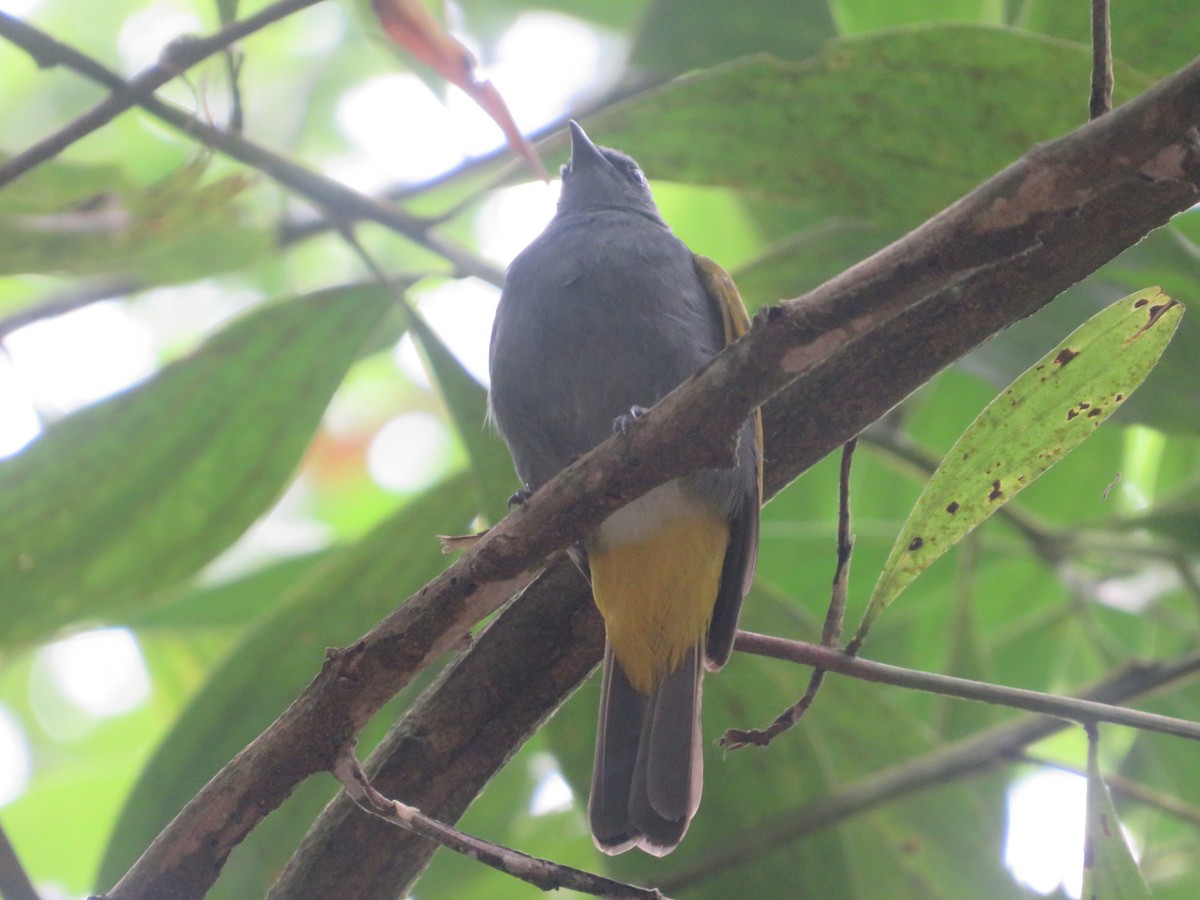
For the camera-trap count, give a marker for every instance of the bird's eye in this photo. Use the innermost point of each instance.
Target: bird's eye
(634, 174)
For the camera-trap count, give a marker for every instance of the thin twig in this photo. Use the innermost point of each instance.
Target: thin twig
(75, 297)
(1102, 66)
(835, 617)
(1183, 567)
(351, 238)
(541, 873)
(178, 56)
(961, 628)
(339, 203)
(548, 136)
(1092, 730)
(973, 755)
(397, 288)
(1084, 711)
(307, 223)
(233, 71)
(736, 739)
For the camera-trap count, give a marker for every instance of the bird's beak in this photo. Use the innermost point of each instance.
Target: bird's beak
(583, 152)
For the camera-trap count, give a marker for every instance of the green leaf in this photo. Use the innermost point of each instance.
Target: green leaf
(59, 184)
(855, 16)
(172, 231)
(87, 786)
(1165, 257)
(1109, 870)
(503, 814)
(85, 766)
(229, 604)
(1043, 415)
(342, 597)
(710, 220)
(1151, 36)
(678, 35)
(227, 11)
(488, 19)
(857, 119)
(805, 259)
(124, 499)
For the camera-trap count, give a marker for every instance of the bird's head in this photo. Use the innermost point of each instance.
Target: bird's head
(602, 178)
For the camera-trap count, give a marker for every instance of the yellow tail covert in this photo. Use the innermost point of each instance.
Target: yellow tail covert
(657, 594)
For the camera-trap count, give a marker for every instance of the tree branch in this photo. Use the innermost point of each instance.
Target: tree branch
(177, 57)
(1082, 711)
(531, 657)
(76, 296)
(973, 755)
(14, 880)
(831, 362)
(1102, 66)
(339, 203)
(541, 873)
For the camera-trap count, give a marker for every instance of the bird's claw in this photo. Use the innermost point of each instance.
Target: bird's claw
(621, 423)
(519, 498)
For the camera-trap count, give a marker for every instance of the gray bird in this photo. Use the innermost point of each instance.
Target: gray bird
(602, 315)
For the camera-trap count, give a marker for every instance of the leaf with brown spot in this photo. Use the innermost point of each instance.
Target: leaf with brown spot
(1109, 870)
(1023, 432)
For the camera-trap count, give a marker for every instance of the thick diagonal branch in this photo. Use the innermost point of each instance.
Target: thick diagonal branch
(830, 363)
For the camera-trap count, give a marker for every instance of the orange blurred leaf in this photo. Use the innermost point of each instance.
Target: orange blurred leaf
(411, 26)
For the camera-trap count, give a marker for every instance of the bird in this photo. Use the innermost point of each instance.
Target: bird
(601, 316)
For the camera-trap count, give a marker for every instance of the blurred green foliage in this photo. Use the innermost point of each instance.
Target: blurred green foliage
(866, 117)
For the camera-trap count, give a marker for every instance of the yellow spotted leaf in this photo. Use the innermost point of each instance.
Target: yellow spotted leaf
(1034, 423)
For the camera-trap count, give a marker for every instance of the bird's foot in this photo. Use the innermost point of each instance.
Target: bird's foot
(621, 423)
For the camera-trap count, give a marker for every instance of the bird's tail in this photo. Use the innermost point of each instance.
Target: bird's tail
(648, 772)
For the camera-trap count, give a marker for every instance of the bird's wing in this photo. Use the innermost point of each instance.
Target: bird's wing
(740, 557)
